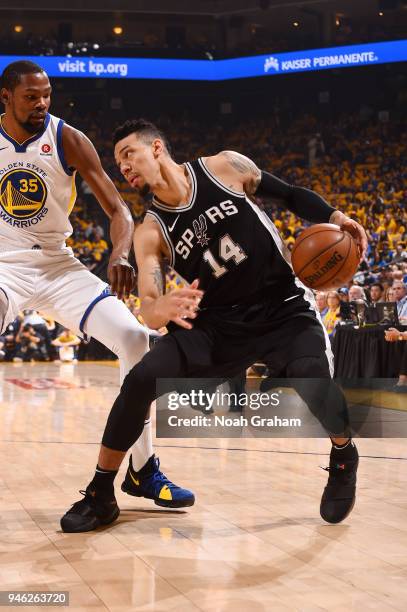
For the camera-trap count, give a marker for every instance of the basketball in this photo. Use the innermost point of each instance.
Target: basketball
(325, 257)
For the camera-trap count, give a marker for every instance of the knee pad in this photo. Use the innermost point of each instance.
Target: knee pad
(137, 338)
(308, 367)
(131, 344)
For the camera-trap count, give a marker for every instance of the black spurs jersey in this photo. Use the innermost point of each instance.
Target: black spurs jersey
(226, 241)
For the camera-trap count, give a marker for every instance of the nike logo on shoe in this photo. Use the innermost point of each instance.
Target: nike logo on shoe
(3, 148)
(171, 227)
(136, 482)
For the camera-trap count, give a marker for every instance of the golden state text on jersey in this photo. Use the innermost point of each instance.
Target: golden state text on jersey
(37, 189)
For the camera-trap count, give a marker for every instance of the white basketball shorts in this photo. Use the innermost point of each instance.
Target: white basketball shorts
(53, 282)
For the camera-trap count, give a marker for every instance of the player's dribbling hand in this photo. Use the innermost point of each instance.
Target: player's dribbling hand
(121, 276)
(179, 305)
(354, 228)
(391, 334)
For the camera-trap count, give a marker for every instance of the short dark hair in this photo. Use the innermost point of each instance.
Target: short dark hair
(147, 130)
(377, 285)
(12, 73)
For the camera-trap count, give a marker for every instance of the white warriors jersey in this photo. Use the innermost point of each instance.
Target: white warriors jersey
(37, 189)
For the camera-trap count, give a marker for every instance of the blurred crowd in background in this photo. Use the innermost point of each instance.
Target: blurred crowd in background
(357, 162)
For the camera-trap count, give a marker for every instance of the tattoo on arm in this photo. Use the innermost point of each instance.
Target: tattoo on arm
(159, 279)
(246, 166)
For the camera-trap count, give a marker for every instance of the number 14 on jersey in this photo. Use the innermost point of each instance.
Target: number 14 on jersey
(227, 250)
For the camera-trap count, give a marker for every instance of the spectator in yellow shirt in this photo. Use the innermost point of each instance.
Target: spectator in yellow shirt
(66, 343)
(332, 316)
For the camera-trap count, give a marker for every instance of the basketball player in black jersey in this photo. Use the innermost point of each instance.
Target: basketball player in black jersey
(251, 306)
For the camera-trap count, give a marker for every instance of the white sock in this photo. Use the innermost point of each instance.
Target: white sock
(349, 442)
(142, 450)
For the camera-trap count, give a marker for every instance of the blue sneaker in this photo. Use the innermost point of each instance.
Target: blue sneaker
(151, 483)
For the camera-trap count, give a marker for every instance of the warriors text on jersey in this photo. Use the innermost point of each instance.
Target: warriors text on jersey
(226, 241)
(37, 189)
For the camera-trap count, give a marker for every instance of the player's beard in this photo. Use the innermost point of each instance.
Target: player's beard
(31, 128)
(144, 190)
(27, 124)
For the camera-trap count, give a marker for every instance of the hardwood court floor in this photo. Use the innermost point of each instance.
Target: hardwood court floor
(254, 541)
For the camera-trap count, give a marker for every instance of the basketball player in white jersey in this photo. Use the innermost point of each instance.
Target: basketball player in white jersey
(39, 157)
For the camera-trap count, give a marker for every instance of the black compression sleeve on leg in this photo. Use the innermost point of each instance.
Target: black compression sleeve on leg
(302, 202)
(311, 379)
(126, 419)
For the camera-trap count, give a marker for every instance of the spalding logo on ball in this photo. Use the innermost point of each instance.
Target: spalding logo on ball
(325, 257)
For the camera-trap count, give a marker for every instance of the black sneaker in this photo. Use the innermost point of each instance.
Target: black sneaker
(339, 494)
(89, 513)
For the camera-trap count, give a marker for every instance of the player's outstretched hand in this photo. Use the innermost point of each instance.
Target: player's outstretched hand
(354, 228)
(121, 276)
(179, 305)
